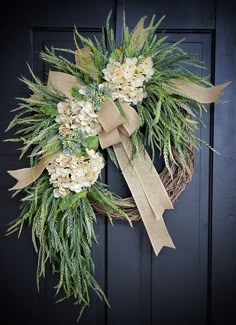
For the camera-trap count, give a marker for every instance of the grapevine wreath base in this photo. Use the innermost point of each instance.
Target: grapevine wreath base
(174, 186)
(113, 101)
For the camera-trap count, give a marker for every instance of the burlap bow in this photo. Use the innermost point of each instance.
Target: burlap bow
(144, 182)
(142, 179)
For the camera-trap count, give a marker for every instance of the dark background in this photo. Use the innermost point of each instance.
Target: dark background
(194, 284)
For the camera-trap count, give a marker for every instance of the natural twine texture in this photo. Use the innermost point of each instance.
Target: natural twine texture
(174, 186)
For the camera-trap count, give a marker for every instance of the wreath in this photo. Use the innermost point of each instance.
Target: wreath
(113, 101)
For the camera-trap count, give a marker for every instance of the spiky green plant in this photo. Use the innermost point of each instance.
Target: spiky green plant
(62, 229)
(166, 119)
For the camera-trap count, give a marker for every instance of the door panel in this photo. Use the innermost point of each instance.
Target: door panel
(179, 281)
(166, 280)
(223, 261)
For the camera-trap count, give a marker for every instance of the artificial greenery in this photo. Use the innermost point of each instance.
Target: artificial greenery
(166, 119)
(75, 141)
(63, 229)
(63, 234)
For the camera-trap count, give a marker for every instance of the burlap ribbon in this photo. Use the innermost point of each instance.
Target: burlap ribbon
(142, 178)
(143, 181)
(199, 93)
(26, 176)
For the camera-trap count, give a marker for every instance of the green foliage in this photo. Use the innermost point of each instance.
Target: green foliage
(98, 94)
(112, 156)
(76, 141)
(62, 234)
(35, 123)
(99, 193)
(166, 120)
(91, 142)
(62, 64)
(63, 229)
(52, 148)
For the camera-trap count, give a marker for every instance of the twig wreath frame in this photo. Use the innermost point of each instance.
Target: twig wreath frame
(117, 99)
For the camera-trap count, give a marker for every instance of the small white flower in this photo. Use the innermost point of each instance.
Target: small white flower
(82, 91)
(74, 173)
(101, 86)
(75, 188)
(77, 115)
(126, 81)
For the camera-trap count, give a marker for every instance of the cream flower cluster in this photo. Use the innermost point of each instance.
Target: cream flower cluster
(126, 81)
(75, 114)
(73, 172)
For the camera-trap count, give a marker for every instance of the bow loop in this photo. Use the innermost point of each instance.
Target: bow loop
(109, 116)
(112, 122)
(152, 199)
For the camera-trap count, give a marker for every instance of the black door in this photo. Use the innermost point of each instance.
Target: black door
(194, 284)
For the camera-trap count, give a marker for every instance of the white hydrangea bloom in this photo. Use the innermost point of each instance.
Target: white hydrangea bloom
(126, 80)
(73, 172)
(77, 115)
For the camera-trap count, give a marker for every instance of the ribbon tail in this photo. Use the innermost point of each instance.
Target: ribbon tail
(204, 95)
(27, 176)
(63, 81)
(23, 177)
(153, 223)
(157, 233)
(152, 185)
